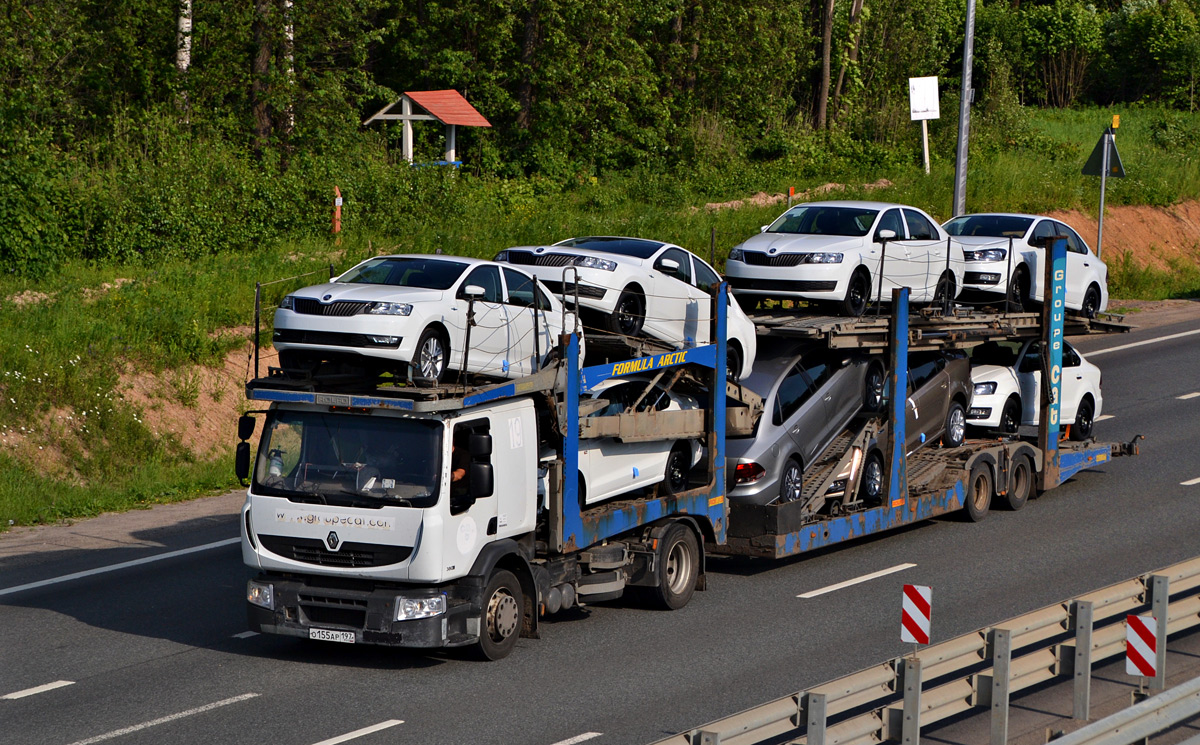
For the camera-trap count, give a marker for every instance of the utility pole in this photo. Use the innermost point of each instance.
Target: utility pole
(964, 115)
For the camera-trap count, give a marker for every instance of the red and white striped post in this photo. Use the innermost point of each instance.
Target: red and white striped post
(1141, 646)
(914, 618)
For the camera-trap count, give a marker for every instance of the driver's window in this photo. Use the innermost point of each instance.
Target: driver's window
(1031, 361)
(1044, 230)
(461, 461)
(683, 273)
(706, 279)
(487, 277)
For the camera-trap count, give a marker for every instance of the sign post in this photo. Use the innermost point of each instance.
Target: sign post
(923, 106)
(1103, 161)
(1141, 645)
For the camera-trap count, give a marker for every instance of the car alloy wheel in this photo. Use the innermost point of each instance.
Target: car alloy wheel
(430, 357)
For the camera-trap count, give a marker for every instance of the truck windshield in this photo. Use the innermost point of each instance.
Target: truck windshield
(349, 459)
(825, 220)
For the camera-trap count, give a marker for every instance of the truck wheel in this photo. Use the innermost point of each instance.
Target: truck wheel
(628, 314)
(871, 486)
(1020, 483)
(1084, 419)
(679, 566)
(791, 481)
(679, 464)
(501, 622)
(956, 426)
(979, 492)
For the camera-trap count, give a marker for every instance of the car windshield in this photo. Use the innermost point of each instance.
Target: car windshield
(825, 220)
(989, 226)
(432, 274)
(635, 247)
(349, 459)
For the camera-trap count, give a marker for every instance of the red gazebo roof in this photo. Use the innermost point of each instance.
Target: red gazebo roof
(448, 107)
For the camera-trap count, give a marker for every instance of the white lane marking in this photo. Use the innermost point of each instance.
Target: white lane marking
(857, 580)
(361, 732)
(122, 565)
(1186, 396)
(164, 720)
(1104, 417)
(1099, 352)
(1193, 482)
(245, 635)
(579, 738)
(38, 689)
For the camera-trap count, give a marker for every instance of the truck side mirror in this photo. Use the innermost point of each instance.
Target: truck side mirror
(480, 445)
(481, 480)
(245, 427)
(241, 461)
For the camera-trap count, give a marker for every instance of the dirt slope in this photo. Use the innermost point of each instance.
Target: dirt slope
(1153, 235)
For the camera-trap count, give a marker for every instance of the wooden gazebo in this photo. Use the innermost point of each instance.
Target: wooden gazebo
(448, 107)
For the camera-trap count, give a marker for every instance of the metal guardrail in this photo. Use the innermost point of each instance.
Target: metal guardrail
(1142, 719)
(893, 700)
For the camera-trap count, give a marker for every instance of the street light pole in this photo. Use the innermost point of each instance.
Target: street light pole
(964, 115)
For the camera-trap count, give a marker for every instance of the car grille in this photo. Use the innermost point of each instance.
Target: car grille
(568, 290)
(351, 555)
(531, 259)
(783, 285)
(331, 339)
(756, 258)
(312, 307)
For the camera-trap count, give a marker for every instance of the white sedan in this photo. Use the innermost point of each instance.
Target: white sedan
(991, 272)
(640, 287)
(835, 251)
(1007, 377)
(609, 467)
(390, 313)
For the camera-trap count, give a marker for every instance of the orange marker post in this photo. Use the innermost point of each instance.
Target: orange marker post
(337, 213)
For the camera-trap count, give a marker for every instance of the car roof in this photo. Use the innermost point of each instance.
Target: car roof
(862, 203)
(460, 259)
(1000, 214)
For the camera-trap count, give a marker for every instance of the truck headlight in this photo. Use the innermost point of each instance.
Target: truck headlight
(986, 254)
(824, 258)
(985, 389)
(260, 594)
(390, 309)
(408, 609)
(595, 262)
(737, 254)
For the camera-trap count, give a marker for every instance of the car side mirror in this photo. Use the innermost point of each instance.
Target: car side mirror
(668, 265)
(473, 292)
(885, 235)
(482, 478)
(245, 427)
(241, 461)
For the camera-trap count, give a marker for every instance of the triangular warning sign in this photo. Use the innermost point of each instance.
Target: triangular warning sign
(1095, 162)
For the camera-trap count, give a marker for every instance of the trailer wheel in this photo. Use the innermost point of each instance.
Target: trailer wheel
(1020, 483)
(501, 623)
(679, 566)
(979, 492)
(871, 486)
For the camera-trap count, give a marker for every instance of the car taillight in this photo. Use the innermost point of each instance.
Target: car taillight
(748, 473)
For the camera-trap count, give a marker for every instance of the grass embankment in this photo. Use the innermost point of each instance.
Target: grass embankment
(71, 445)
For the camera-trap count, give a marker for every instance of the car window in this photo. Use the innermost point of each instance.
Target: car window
(1003, 354)
(430, 273)
(919, 228)
(706, 278)
(1031, 361)
(487, 277)
(684, 272)
(921, 369)
(891, 221)
(1045, 229)
(520, 288)
(795, 389)
(819, 370)
(1075, 244)
(1070, 356)
(543, 298)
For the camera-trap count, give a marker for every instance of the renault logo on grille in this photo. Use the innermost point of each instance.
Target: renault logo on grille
(332, 541)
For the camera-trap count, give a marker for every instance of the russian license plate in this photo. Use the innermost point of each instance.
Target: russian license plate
(329, 635)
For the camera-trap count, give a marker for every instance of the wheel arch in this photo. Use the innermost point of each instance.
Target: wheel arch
(506, 554)
(700, 527)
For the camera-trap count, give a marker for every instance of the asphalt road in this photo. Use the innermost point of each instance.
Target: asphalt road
(155, 652)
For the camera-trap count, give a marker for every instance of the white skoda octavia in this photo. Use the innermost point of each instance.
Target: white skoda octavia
(410, 311)
(835, 251)
(633, 286)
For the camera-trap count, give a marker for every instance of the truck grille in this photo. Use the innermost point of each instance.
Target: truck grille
(756, 258)
(351, 555)
(312, 307)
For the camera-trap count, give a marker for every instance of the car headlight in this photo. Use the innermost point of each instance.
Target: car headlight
(502, 256)
(288, 303)
(986, 254)
(390, 309)
(408, 609)
(824, 258)
(985, 389)
(260, 594)
(737, 254)
(595, 262)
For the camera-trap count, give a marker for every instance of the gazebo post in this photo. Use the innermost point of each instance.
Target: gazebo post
(406, 147)
(450, 143)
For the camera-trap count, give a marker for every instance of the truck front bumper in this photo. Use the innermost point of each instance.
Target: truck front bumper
(365, 613)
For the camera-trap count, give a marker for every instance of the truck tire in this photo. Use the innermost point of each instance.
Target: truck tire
(502, 609)
(1020, 483)
(978, 496)
(679, 565)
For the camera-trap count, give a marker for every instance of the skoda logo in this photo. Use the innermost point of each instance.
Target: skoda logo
(773, 250)
(332, 540)
(540, 250)
(327, 297)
